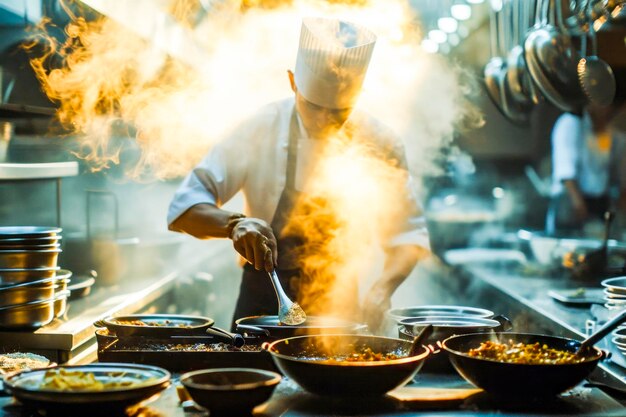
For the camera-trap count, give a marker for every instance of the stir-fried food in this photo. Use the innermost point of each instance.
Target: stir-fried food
(71, 380)
(360, 353)
(164, 323)
(368, 355)
(524, 353)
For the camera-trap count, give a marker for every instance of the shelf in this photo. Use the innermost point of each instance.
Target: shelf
(12, 171)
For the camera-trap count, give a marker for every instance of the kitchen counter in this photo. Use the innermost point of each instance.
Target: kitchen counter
(290, 400)
(72, 338)
(521, 292)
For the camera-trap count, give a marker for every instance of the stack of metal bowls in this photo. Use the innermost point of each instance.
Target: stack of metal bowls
(614, 293)
(447, 320)
(33, 289)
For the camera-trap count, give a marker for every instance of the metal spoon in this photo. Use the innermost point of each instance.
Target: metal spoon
(601, 332)
(289, 313)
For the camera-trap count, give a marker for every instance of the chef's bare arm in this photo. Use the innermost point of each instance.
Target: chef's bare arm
(399, 263)
(252, 238)
(206, 221)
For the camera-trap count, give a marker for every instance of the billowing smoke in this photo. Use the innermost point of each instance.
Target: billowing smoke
(176, 79)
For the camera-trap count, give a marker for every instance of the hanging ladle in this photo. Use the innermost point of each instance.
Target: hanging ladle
(595, 75)
(601, 332)
(289, 313)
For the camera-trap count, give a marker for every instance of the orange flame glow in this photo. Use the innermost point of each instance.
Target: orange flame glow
(356, 198)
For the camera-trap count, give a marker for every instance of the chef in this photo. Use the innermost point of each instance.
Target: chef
(264, 159)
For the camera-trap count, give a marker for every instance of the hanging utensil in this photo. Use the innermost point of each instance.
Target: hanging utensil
(495, 65)
(595, 75)
(552, 60)
(289, 313)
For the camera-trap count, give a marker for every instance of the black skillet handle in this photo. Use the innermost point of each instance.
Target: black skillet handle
(505, 323)
(247, 328)
(234, 339)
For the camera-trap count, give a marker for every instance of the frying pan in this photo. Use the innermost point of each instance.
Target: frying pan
(270, 326)
(300, 359)
(167, 325)
(520, 380)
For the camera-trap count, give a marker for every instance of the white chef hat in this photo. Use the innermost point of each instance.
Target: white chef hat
(333, 57)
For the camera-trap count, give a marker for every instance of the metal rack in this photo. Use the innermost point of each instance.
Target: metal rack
(41, 171)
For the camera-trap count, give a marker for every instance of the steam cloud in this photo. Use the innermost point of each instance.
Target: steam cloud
(177, 82)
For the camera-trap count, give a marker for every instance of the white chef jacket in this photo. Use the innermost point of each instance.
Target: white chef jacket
(577, 156)
(253, 159)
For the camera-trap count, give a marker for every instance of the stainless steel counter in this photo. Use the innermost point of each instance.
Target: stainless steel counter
(72, 337)
(290, 400)
(509, 288)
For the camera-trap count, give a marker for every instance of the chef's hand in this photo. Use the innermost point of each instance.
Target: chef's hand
(375, 306)
(255, 241)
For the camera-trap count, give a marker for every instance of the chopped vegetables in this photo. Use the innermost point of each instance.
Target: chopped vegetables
(524, 353)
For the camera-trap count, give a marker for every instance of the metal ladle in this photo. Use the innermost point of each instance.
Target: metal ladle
(496, 64)
(552, 60)
(595, 75)
(289, 313)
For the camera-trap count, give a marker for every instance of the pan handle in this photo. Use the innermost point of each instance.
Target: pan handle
(505, 323)
(234, 339)
(253, 329)
(99, 323)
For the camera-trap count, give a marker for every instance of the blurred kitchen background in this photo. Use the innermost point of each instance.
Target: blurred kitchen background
(493, 176)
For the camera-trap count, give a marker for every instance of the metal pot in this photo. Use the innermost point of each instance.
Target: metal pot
(269, 327)
(60, 303)
(14, 295)
(21, 275)
(398, 314)
(445, 327)
(317, 371)
(21, 259)
(558, 251)
(27, 316)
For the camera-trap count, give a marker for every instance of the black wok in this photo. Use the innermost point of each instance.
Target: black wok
(300, 359)
(514, 380)
(166, 325)
(271, 328)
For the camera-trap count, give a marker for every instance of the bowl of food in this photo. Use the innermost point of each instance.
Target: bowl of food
(89, 388)
(347, 365)
(521, 365)
(230, 391)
